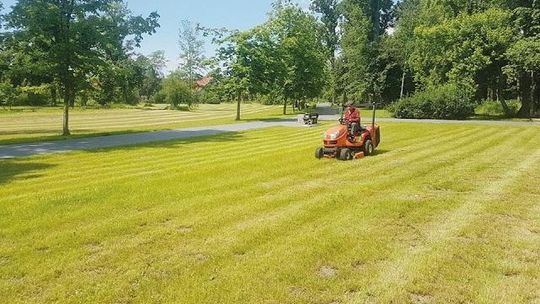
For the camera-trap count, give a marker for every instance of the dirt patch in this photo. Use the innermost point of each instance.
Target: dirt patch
(4, 260)
(418, 298)
(358, 265)
(327, 272)
(185, 229)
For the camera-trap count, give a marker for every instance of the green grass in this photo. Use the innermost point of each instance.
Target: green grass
(443, 214)
(46, 123)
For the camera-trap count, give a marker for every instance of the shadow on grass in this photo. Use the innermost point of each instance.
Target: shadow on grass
(11, 170)
(187, 138)
(379, 152)
(54, 138)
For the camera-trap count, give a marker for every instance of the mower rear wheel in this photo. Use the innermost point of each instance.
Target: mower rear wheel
(368, 148)
(345, 154)
(319, 153)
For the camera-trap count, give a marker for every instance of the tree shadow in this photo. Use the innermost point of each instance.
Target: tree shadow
(276, 119)
(11, 170)
(191, 137)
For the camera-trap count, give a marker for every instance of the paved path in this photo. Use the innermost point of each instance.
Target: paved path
(92, 143)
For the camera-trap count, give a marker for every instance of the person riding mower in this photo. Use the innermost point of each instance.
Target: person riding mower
(349, 140)
(352, 120)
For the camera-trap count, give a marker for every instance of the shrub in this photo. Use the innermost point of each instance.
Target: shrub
(495, 108)
(177, 91)
(449, 101)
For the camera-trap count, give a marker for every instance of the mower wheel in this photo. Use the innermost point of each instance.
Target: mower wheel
(345, 154)
(319, 153)
(368, 148)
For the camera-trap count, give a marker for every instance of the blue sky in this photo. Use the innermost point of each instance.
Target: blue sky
(232, 14)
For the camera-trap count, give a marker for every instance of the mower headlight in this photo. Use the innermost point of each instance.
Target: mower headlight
(333, 136)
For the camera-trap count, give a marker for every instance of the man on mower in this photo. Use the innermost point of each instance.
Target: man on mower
(352, 119)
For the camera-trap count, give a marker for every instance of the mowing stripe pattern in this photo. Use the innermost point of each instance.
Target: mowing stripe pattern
(440, 214)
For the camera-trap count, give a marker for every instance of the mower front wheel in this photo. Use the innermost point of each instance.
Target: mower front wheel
(368, 148)
(319, 153)
(345, 154)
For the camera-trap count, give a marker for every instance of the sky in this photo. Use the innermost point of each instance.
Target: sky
(231, 14)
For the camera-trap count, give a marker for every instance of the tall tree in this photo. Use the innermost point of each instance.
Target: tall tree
(74, 35)
(151, 69)
(403, 42)
(523, 55)
(364, 62)
(524, 68)
(469, 50)
(302, 52)
(330, 16)
(191, 49)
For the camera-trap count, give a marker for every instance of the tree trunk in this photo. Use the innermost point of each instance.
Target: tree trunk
(525, 87)
(533, 97)
(285, 107)
(402, 85)
(238, 102)
(67, 100)
(54, 95)
(500, 96)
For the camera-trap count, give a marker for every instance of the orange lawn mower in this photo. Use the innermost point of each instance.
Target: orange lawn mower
(341, 143)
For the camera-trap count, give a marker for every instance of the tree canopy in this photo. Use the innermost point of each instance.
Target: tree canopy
(379, 51)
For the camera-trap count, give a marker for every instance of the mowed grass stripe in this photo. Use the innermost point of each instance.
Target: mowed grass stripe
(165, 158)
(162, 162)
(336, 224)
(148, 157)
(436, 233)
(25, 127)
(122, 118)
(92, 175)
(278, 232)
(143, 240)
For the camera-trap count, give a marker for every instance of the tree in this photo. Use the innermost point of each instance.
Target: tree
(176, 90)
(151, 67)
(402, 43)
(365, 24)
(524, 68)
(301, 52)
(191, 50)
(469, 50)
(330, 16)
(283, 57)
(74, 35)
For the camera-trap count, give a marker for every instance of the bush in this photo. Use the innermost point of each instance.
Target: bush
(176, 91)
(495, 108)
(448, 101)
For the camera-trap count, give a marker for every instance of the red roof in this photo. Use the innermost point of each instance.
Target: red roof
(203, 82)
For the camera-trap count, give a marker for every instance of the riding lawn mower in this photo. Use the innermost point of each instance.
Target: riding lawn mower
(343, 143)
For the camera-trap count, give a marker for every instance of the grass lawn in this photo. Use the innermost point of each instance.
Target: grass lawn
(442, 214)
(46, 123)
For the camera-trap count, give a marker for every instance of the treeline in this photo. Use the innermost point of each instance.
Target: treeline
(422, 58)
